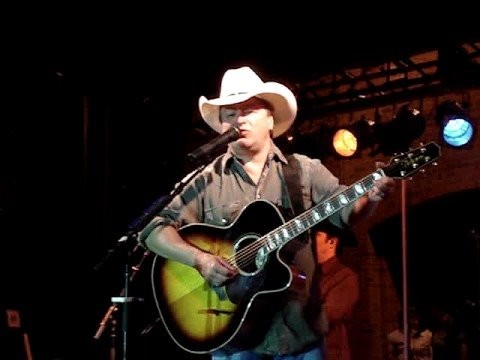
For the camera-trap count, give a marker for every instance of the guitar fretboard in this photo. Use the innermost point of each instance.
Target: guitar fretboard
(301, 223)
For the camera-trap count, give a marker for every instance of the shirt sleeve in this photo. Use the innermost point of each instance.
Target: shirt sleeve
(326, 185)
(185, 208)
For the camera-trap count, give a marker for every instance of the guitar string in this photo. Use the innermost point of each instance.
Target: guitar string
(246, 255)
(292, 227)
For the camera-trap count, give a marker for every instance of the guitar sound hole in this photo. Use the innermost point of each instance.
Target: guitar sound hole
(250, 256)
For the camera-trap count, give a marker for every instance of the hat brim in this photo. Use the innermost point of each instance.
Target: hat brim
(281, 99)
(345, 235)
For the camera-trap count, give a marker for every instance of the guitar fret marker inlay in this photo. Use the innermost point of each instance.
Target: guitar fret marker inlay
(329, 208)
(359, 188)
(299, 224)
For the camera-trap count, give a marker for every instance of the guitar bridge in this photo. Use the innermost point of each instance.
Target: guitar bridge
(215, 312)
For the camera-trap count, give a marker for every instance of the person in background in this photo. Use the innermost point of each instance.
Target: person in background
(253, 169)
(335, 290)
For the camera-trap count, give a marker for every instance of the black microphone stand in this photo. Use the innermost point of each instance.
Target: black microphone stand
(122, 244)
(124, 298)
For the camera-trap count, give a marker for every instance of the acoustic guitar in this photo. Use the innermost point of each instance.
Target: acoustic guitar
(201, 318)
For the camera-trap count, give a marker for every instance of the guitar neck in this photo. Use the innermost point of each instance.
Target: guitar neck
(309, 218)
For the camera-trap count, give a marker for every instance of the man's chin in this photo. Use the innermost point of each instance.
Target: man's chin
(244, 142)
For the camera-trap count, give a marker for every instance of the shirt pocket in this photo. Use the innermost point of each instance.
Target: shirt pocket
(223, 214)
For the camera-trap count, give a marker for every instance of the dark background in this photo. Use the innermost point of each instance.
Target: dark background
(77, 169)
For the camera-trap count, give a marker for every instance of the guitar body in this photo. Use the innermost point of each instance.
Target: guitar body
(201, 318)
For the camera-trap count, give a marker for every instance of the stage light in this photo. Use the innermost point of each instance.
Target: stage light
(397, 135)
(456, 128)
(347, 141)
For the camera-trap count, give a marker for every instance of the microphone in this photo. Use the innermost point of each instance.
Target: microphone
(212, 147)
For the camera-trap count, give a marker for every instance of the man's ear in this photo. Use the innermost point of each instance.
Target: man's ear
(332, 239)
(272, 123)
(320, 235)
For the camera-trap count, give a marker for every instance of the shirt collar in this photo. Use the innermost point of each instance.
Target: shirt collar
(275, 153)
(329, 265)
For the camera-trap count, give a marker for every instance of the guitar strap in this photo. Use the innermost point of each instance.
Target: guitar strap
(292, 172)
(301, 250)
(293, 179)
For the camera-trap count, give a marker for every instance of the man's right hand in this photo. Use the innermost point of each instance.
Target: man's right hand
(215, 269)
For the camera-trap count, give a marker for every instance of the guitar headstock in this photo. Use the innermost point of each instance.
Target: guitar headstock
(408, 163)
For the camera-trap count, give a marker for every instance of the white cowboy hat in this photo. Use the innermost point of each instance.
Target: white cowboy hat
(241, 84)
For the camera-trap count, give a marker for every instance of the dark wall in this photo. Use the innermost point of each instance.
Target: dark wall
(76, 172)
(443, 250)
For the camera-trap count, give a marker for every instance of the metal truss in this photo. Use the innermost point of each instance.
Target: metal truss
(425, 72)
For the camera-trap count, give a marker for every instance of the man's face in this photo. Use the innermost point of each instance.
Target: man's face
(325, 245)
(253, 118)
